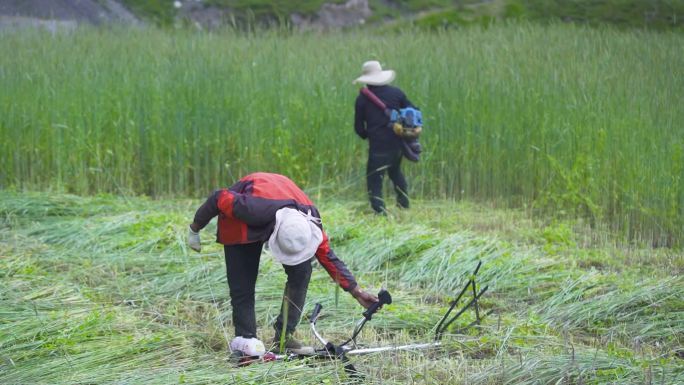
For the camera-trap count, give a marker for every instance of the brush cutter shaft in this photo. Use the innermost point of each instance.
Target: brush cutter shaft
(358, 352)
(322, 353)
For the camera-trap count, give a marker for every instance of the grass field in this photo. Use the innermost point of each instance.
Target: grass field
(103, 290)
(554, 155)
(571, 121)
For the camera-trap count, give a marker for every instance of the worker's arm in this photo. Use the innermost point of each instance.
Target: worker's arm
(365, 298)
(204, 214)
(339, 273)
(207, 211)
(359, 119)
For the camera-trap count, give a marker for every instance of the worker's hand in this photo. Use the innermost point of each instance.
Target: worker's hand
(194, 240)
(364, 298)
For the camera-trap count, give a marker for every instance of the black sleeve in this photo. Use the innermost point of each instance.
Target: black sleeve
(207, 211)
(359, 118)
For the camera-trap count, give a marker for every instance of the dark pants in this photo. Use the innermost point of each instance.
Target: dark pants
(242, 267)
(378, 163)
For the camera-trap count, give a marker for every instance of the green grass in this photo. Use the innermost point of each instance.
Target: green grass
(654, 14)
(572, 122)
(103, 290)
(161, 12)
(663, 15)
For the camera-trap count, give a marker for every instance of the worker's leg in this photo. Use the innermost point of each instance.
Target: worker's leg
(242, 267)
(375, 172)
(397, 177)
(298, 277)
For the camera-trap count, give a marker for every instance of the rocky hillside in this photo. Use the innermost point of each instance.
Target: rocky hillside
(322, 14)
(199, 13)
(53, 14)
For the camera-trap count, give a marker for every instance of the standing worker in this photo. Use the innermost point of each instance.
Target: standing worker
(260, 208)
(384, 146)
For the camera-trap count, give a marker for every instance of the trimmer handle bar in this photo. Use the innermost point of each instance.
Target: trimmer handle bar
(384, 298)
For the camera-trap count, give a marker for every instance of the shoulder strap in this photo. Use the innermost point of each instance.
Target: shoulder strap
(370, 95)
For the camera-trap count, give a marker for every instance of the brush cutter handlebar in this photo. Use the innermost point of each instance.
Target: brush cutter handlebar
(314, 314)
(384, 298)
(312, 321)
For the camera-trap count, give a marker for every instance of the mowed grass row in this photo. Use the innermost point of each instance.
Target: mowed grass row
(103, 290)
(573, 121)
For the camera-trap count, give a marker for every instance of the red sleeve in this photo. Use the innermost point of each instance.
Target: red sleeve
(334, 266)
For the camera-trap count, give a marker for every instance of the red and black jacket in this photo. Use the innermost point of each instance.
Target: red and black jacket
(246, 212)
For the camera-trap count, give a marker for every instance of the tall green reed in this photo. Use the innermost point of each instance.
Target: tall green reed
(577, 122)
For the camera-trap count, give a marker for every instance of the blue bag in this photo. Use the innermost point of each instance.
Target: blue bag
(407, 122)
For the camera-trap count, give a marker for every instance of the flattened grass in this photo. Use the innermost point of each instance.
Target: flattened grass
(105, 291)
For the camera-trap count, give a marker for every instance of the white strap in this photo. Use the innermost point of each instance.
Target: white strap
(310, 217)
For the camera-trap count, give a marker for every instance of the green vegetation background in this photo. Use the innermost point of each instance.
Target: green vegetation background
(571, 121)
(568, 121)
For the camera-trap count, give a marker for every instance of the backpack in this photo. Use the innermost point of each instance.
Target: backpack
(405, 122)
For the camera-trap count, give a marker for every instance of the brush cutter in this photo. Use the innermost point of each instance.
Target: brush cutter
(349, 347)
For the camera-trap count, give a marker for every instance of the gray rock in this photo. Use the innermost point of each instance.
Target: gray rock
(16, 23)
(19, 12)
(351, 13)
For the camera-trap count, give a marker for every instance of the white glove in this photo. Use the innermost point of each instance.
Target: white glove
(194, 240)
(248, 346)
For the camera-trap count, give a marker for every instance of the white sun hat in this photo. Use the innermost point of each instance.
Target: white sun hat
(295, 236)
(373, 74)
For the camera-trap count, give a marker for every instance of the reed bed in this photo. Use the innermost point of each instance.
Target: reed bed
(643, 310)
(573, 121)
(573, 365)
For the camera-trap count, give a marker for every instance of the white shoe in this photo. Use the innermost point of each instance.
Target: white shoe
(248, 346)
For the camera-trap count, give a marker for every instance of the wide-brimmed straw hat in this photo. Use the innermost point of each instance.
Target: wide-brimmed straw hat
(295, 236)
(373, 74)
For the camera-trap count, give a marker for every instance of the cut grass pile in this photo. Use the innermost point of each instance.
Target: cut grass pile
(103, 290)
